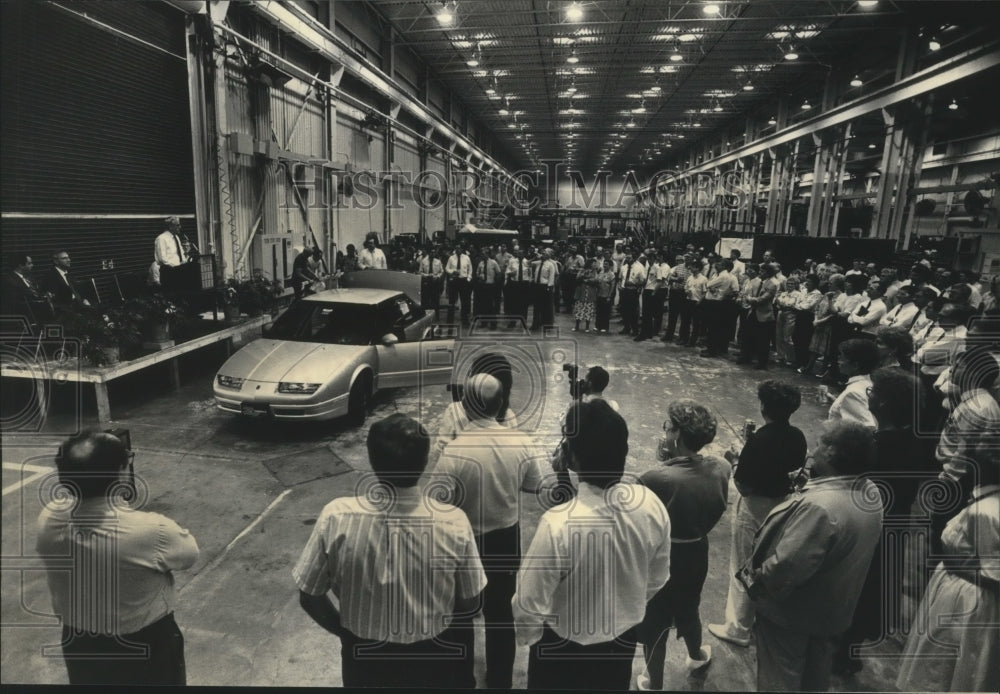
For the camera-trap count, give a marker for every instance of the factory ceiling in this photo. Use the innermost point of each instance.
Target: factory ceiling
(648, 84)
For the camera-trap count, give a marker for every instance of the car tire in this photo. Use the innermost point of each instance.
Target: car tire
(358, 399)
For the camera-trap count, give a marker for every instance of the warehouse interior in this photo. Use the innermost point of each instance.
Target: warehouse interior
(269, 127)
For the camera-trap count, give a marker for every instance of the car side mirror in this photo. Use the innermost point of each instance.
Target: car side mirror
(389, 339)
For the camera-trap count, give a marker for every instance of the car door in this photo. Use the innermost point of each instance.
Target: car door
(411, 360)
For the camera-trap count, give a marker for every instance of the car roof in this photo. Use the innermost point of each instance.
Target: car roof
(364, 296)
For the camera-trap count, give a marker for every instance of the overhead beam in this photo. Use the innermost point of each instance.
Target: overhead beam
(947, 71)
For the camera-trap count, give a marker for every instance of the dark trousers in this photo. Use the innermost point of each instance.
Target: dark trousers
(629, 307)
(430, 293)
(602, 309)
(516, 299)
(675, 307)
(691, 322)
(544, 306)
(459, 289)
(567, 290)
(711, 316)
(443, 662)
(556, 663)
(789, 661)
(648, 308)
(802, 335)
(152, 655)
(500, 552)
(658, 297)
(759, 342)
(486, 299)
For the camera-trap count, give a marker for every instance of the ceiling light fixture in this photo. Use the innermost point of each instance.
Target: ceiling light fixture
(748, 87)
(772, 121)
(856, 82)
(867, 4)
(676, 56)
(686, 37)
(656, 88)
(871, 146)
(791, 54)
(472, 62)
(491, 91)
(574, 12)
(717, 108)
(573, 59)
(504, 112)
(444, 15)
(934, 44)
(806, 105)
(953, 106)
(711, 8)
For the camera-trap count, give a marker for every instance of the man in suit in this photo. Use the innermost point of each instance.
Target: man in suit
(60, 285)
(18, 286)
(761, 319)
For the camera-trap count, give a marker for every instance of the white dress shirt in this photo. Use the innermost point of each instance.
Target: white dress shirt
(519, 270)
(372, 259)
(852, 403)
(873, 310)
(486, 467)
(168, 249)
(594, 563)
(396, 566)
(635, 274)
(939, 349)
(109, 569)
(459, 266)
(901, 316)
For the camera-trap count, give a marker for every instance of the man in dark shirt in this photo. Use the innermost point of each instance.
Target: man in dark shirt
(762, 478)
(302, 273)
(694, 488)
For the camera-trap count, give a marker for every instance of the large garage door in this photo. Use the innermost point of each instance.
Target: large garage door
(95, 131)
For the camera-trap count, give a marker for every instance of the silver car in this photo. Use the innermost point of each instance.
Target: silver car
(328, 353)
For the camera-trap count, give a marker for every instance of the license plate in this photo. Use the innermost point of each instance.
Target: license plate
(254, 410)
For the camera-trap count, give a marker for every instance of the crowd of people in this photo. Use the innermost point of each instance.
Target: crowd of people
(898, 499)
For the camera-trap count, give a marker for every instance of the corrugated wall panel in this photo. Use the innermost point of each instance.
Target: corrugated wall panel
(93, 123)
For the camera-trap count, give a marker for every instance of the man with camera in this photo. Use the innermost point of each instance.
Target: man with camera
(591, 387)
(110, 571)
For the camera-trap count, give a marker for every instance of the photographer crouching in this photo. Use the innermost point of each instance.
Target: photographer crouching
(591, 387)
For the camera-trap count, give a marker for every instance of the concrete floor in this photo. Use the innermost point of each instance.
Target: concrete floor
(249, 492)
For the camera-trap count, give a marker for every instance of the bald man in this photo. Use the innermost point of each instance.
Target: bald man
(485, 468)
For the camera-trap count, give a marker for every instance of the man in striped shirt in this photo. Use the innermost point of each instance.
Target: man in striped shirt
(402, 567)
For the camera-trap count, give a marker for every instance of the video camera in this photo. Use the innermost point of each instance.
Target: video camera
(578, 387)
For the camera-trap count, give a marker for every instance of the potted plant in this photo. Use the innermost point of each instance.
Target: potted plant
(103, 335)
(154, 314)
(258, 294)
(227, 295)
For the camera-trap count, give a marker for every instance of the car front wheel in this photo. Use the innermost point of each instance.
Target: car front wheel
(357, 401)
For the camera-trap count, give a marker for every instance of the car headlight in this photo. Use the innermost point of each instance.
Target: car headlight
(230, 382)
(298, 388)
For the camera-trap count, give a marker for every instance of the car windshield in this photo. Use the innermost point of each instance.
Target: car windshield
(327, 322)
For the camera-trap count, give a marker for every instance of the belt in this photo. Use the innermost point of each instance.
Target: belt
(685, 541)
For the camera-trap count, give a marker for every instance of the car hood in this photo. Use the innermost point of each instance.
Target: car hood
(273, 361)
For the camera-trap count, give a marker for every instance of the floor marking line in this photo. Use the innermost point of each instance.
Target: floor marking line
(38, 471)
(222, 555)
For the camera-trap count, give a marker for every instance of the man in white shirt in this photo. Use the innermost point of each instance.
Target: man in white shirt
(939, 348)
(404, 568)
(459, 272)
(739, 267)
(653, 294)
(169, 252)
(486, 287)
(431, 277)
(695, 288)
(546, 274)
(718, 309)
(891, 283)
(867, 315)
(857, 358)
(904, 314)
(517, 294)
(482, 471)
(633, 279)
(579, 606)
(371, 258)
(115, 597)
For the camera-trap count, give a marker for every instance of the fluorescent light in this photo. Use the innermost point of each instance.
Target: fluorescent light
(504, 112)
(474, 62)
(790, 53)
(711, 8)
(772, 121)
(491, 90)
(655, 88)
(856, 82)
(574, 13)
(686, 37)
(676, 56)
(871, 146)
(806, 105)
(953, 106)
(934, 44)
(867, 4)
(748, 87)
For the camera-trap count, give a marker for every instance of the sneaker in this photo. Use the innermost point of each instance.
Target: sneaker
(586, 330)
(573, 330)
(720, 632)
(693, 666)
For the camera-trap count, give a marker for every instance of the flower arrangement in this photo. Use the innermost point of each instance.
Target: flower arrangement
(258, 294)
(102, 334)
(152, 310)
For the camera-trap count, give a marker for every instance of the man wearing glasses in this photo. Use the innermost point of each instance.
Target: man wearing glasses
(110, 570)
